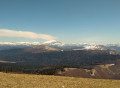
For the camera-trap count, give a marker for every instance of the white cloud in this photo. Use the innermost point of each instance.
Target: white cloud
(24, 34)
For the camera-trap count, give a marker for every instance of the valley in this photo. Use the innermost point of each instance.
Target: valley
(46, 60)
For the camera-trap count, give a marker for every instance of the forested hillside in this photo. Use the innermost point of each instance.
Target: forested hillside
(47, 60)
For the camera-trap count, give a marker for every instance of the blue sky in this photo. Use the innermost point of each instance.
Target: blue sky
(66, 20)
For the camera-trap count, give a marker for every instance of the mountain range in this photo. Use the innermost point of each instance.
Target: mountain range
(60, 45)
(89, 61)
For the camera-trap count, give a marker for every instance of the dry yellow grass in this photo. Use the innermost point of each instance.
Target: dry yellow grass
(8, 80)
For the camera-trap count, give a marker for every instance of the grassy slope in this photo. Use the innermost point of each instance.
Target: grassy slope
(8, 80)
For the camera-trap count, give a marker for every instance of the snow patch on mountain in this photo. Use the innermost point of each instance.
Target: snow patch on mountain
(7, 43)
(94, 47)
(53, 42)
(63, 46)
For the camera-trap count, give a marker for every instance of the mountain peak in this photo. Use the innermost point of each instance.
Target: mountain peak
(53, 42)
(95, 47)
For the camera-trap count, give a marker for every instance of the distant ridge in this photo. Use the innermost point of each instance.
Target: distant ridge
(53, 42)
(60, 45)
(39, 49)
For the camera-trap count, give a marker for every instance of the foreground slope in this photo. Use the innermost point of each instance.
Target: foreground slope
(8, 80)
(103, 71)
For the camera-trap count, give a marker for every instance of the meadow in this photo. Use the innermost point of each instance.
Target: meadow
(10, 80)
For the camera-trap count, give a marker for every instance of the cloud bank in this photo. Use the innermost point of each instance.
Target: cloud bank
(24, 34)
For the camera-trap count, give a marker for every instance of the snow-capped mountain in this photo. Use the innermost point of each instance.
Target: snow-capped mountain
(53, 43)
(95, 47)
(60, 45)
(10, 45)
(91, 47)
(7, 43)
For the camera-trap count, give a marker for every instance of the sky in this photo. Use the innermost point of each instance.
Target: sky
(67, 21)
